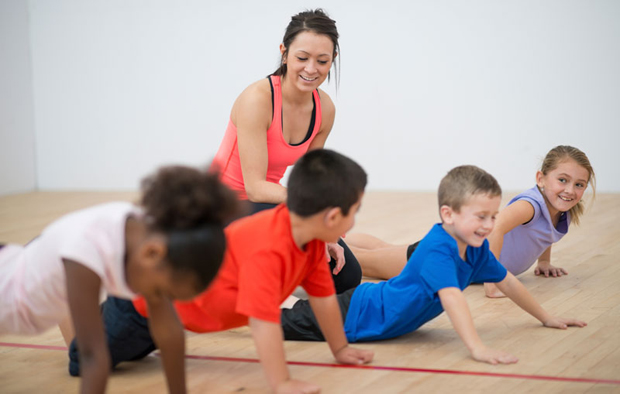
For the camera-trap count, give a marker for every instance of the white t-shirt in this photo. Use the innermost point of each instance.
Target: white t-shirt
(33, 291)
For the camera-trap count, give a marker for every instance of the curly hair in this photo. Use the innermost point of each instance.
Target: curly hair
(191, 207)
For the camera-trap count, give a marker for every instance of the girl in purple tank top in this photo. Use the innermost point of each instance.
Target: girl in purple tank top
(539, 217)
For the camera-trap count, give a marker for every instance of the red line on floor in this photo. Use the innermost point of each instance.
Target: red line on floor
(369, 367)
(30, 346)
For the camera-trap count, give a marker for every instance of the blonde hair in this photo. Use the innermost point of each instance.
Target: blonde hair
(463, 182)
(560, 154)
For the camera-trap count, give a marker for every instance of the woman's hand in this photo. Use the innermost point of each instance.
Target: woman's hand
(336, 252)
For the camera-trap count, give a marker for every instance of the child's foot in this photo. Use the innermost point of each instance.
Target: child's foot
(492, 291)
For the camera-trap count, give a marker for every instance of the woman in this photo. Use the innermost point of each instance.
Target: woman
(274, 121)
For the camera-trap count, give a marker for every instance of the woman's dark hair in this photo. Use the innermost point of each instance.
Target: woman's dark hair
(323, 179)
(315, 21)
(191, 207)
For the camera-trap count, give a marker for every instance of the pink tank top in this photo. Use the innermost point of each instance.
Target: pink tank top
(281, 154)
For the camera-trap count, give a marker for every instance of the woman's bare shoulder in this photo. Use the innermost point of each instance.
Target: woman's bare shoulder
(327, 105)
(256, 98)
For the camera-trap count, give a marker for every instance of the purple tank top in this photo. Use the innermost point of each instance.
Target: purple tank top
(525, 243)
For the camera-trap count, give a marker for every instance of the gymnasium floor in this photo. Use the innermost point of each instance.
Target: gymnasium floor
(430, 360)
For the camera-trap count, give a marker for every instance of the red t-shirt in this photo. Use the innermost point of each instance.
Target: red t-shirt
(262, 267)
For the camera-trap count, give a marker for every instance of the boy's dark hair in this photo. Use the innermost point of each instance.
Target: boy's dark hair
(463, 182)
(323, 179)
(191, 207)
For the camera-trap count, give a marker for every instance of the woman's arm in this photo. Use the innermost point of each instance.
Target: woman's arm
(251, 114)
(169, 337)
(455, 305)
(83, 287)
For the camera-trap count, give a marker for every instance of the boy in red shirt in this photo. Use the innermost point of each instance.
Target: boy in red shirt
(268, 255)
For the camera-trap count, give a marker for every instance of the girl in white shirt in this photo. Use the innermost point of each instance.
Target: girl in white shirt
(170, 247)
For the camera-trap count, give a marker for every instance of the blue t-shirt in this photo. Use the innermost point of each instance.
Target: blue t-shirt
(402, 304)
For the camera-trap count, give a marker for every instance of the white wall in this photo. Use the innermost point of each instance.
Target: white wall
(17, 159)
(122, 87)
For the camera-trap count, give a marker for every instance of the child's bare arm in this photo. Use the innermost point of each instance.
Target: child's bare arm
(515, 290)
(270, 348)
(455, 305)
(168, 334)
(510, 217)
(545, 268)
(83, 295)
(328, 315)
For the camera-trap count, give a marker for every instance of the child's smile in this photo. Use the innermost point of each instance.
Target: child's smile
(474, 221)
(563, 187)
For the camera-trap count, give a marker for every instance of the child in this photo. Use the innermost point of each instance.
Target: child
(269, 254)
(539, 217)
(170, 248)
(451, 256)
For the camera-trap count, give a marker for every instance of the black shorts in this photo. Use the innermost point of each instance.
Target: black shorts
(300, 324)
(411, 248)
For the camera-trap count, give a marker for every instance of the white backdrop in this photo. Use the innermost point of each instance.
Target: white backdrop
(17, 140)
(121, 87)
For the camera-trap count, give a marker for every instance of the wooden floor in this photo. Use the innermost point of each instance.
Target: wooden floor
(430, 360)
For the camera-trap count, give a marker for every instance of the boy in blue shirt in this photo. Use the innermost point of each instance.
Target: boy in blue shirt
(454, 254)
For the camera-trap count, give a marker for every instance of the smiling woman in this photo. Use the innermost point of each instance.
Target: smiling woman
(276, 120)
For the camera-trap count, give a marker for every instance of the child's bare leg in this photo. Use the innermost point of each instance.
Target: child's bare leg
(383, 263)
(366, 241)
(492, 291)
(66, 329)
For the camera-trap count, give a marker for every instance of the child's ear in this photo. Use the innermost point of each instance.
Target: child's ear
(332, 216)
(446, 214)
(153, 250)
(539, 178)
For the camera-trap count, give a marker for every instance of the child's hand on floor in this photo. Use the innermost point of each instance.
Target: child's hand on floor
(545, 268)
(349, 355)
(563, 323)
(293, 386)
(493, 356)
